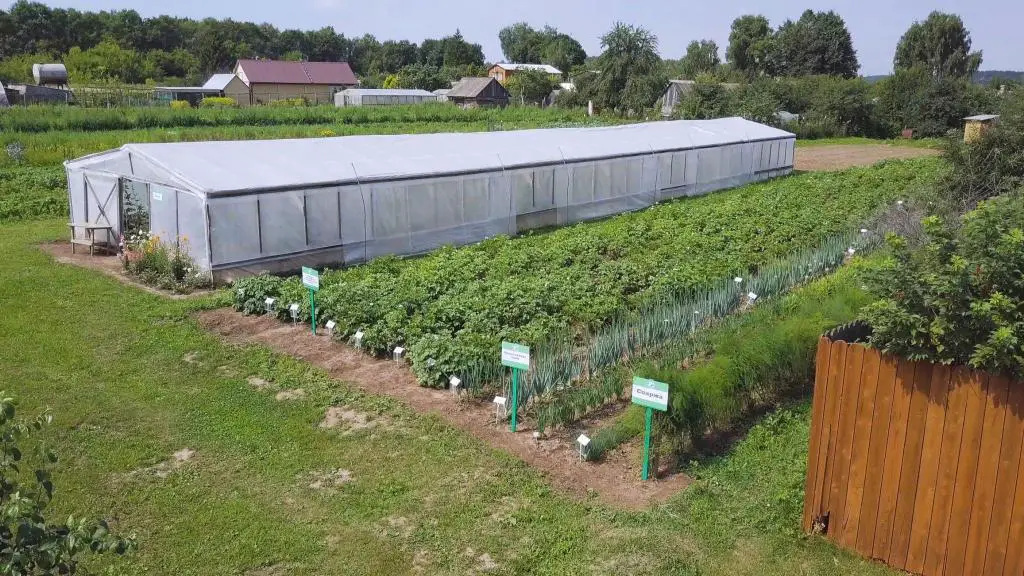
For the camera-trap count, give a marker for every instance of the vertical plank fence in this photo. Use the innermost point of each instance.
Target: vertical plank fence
(916, 465)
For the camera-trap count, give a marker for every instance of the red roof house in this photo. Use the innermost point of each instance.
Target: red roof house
(316, 82)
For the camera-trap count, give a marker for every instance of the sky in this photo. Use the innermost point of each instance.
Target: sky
(876, 25)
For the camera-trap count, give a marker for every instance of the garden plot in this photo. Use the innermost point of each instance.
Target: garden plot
(451, 309)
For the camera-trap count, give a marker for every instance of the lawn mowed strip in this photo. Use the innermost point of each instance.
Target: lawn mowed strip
(132, 380)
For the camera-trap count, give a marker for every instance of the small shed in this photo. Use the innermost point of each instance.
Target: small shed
(442, 94)
(976, 126)
(4, 102)
(475, 92)
(382, 97)
(229, 86)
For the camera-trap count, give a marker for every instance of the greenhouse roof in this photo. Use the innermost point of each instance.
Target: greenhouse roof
(223, 167)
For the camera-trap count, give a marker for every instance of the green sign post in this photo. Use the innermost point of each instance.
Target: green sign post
(652, 395)
(516, 357)
(311, 280)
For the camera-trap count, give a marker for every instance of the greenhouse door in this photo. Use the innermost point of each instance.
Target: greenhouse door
(102, 203)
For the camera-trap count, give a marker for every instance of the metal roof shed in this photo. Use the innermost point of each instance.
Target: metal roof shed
(276, 205)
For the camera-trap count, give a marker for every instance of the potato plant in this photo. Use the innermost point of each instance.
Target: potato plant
(572, 281)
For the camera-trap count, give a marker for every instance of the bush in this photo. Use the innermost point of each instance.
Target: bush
(218, 102)
(180, 105)
(982, 169)
(163, 265)
(31, 544)
(959, 299)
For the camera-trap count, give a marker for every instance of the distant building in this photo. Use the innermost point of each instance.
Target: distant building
(502, 71)
(382, 97)
(477, 92)
(976, 126)
(316, 82)
(442, 94)
(28, 94)
(229, 86)
(4, 102)
(679, 88)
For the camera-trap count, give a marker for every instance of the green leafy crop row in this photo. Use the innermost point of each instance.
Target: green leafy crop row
(65, 118)
(32, 192)
(452, 308)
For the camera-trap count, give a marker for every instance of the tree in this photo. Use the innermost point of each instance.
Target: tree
(563, 52)
(631, 76)
(941, 45)
(530, 86)
(28, 543)
(393, 56)
(817, 43)
(522, 44)
(750, 45)
(459, 52)
(701, 57)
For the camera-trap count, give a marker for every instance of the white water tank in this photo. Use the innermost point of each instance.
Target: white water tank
(50, 74)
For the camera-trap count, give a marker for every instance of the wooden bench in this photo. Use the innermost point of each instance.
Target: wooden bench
(90, 231)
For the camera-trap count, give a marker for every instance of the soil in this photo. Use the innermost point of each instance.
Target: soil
(108, 264)
(615, 479)
(842, 156)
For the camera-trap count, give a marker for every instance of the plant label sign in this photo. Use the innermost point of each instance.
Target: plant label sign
(650, 393)
(515, 356)
(310, 278)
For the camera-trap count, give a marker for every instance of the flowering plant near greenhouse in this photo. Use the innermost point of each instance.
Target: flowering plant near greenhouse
(165, 265)
(452, 308)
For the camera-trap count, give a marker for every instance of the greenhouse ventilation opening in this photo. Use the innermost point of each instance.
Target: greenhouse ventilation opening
(244, 207)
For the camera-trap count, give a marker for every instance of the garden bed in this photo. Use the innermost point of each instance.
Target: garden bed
(615, 479)
(112, 266)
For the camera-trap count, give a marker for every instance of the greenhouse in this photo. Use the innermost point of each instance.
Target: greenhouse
(382, 97)
(242, 207)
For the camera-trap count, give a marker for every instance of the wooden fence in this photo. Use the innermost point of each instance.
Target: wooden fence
(916, 465)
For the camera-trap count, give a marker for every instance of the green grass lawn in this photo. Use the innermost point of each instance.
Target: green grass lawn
(131, 379)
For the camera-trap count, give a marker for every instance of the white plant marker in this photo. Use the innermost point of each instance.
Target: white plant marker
(500, 408)
(584, 442)
(294, 311)
(456, 384)
(268, 304)
(331, 325)
(399, 353)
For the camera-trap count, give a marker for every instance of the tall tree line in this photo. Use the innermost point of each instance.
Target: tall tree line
(169, 44)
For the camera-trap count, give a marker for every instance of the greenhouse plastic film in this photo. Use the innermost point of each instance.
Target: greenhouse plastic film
(360, 197)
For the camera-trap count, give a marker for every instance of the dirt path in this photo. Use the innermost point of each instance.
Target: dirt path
(842, 156)
(615, 479)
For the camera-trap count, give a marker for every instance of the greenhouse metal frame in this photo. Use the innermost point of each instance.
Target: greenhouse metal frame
(244, 207)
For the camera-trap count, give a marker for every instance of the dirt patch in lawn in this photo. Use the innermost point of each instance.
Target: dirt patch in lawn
(843, 156)
(108, 264)
(615, 479)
